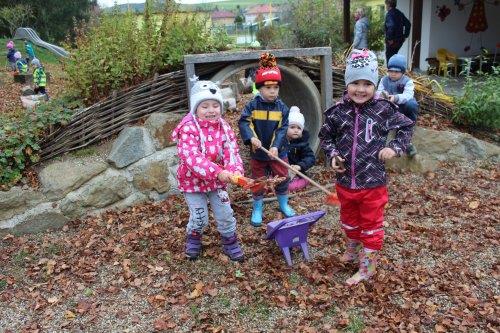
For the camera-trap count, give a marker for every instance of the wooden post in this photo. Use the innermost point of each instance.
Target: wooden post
(347, 21)
(326, 81)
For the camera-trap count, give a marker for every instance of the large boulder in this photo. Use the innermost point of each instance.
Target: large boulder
(17, 200)
(152, 173)
(438, 146)
(27, 91)
(104, 190)
(37, 219)
(59, 178)
(132, 144)
(160, 126)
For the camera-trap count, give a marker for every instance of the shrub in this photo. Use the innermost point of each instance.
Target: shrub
(119, 49)
(317, 23)
(276, 37)
(20, 135)
(376, 31)
(479, 107)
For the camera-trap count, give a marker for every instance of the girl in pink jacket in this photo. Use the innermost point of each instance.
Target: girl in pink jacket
(209, 158)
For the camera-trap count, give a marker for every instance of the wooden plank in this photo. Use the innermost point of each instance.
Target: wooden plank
(253, 55)
(326, 81)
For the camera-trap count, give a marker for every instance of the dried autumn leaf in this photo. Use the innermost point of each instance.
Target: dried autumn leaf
(52, 300)
(194, 294)
(160, 324)
(50, 266)
(83, 306)
(473, 204)
(212, 292)
(439, 328)
(69, 315)
(199, 286)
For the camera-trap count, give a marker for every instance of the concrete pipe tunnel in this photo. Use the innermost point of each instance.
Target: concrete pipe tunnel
(296, 89)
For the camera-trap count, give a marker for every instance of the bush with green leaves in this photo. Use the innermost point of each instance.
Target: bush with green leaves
(479, 107)
(376, 31)
(317, 23)
(276, 37)
(123, 49)
(20, 135)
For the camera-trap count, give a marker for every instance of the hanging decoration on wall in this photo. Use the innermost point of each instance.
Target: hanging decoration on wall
(442, 12)
(477, 22)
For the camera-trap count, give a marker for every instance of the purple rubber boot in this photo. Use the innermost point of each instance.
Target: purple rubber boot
(232, 248)
(193, 245)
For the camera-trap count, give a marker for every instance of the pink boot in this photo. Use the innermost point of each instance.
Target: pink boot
(367, 267)
(352, 250)
(297, 184)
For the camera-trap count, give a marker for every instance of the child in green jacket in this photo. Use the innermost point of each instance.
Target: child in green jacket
(39, 77)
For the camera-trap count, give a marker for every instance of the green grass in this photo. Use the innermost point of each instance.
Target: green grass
(84, 152)
(356, 323)
(44, 55)
(20, 257)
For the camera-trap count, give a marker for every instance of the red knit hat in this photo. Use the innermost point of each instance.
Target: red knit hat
(268, 72)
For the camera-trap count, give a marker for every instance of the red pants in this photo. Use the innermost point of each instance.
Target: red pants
(270, 168)
(362, 214)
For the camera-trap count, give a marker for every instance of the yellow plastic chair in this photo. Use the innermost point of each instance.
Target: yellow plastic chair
(446, 59)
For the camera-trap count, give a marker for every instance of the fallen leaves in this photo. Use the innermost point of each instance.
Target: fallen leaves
(105, 266)
(197, 291)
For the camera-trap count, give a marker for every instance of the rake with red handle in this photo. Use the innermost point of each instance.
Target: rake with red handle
(331, 199)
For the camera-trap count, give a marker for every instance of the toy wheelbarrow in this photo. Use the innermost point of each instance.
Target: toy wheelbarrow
(291, 232)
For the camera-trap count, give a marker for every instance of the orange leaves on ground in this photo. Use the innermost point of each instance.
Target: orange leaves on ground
(197, 291)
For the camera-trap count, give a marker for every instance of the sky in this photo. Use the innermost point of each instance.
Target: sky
(109, 3)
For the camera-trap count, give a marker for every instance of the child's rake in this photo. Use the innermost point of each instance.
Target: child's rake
(331, 198)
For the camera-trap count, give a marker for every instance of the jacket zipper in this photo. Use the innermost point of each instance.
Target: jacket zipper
(354, 146)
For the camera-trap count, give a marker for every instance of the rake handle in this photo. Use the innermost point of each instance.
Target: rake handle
(322, 188)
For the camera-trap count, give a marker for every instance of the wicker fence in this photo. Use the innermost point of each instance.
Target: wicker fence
(164, 93)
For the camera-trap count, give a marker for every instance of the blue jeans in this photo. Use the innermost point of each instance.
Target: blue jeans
(410, 109)
(221, 207)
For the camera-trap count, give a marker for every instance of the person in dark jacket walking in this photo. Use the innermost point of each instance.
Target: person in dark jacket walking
(264, 123)
(300, 155)
(355, 132)
(397, 29)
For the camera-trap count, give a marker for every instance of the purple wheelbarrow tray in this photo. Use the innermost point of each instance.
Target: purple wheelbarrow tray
(292, 232)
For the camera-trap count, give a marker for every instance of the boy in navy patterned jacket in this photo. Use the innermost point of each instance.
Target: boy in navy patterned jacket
(264, 123)
(355, 131)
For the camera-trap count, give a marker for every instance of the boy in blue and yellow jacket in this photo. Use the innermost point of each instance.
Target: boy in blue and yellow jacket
(264, 123)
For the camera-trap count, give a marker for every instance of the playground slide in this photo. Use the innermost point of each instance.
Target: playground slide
(32, 36)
